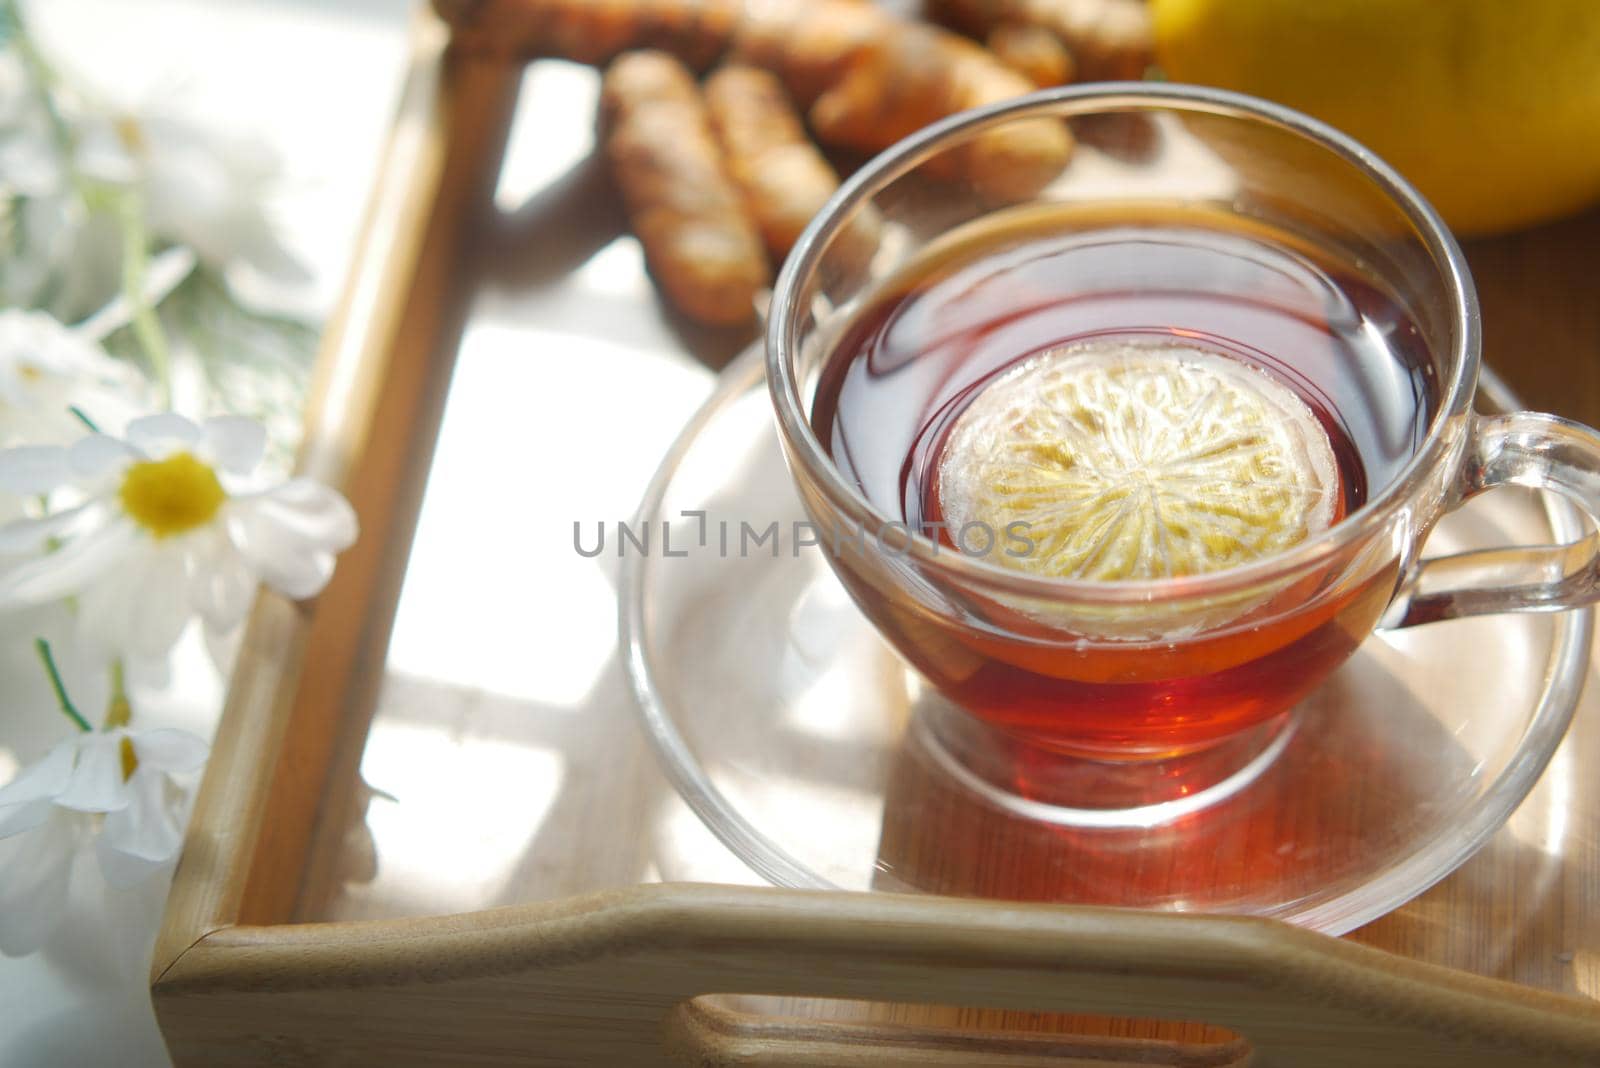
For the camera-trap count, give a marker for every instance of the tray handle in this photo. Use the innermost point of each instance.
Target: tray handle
(708, 1033)
(610, 980)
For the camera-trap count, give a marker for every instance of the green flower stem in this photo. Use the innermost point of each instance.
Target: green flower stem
(67, 707)
(146, 323)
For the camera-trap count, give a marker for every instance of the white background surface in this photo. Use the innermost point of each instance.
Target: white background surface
(319, 82)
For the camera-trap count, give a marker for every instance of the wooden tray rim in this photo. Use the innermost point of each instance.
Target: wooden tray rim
(220, 935)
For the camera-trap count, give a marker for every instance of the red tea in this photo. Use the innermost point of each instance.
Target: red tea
(980, 315)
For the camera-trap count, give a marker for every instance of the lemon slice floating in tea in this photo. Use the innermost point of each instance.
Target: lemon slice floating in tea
(1139, 461)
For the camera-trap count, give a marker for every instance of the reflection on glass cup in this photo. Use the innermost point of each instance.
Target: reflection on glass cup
(1255, 295)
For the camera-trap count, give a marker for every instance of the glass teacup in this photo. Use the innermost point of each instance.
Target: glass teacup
(1095, 695)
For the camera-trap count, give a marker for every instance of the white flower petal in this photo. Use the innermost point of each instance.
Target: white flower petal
(15, 819)
(162, 433)
(31, 167)
(208, 191)
(105, 607)
(34, 872)
(285, 563)
(99, 455)
(141, 838)
(311, 511)
(96, 784)
(289, 534)
(31, 535)
(220, 586)
(122, 870)
(69, 569)
(102, 154)
(222, 647)
(32, 470)
(142, 607)
(236, 443)
(167, 749)
(49, 345)
(47, 221)
(43, 779)
(161, 606)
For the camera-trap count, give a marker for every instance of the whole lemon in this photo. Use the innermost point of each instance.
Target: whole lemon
(1491, 107)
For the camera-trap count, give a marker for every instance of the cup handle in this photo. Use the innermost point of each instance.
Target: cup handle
(1518, 449)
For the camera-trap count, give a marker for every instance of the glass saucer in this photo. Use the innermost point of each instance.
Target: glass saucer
(802, 740)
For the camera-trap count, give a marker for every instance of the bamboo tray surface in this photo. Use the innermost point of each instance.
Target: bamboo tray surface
(486, 753)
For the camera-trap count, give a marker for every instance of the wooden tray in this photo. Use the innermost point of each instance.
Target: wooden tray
(314, 921)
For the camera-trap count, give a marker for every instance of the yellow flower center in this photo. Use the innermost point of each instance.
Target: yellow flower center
(131, 134)
(29, 373)
(130, 759)
(171, 496)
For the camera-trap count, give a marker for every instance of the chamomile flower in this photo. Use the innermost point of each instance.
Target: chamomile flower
(68, 166)
(114, 788)
(46, 370)
(37, 209)
(150, 530)
(201, 187)
(29, 163)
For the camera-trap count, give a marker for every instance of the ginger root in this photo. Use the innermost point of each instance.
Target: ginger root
(1108, 39)
(784, 178)
(699, 243)
(1032, 51)
(865, 77)
(594, 32)
(869, 79)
